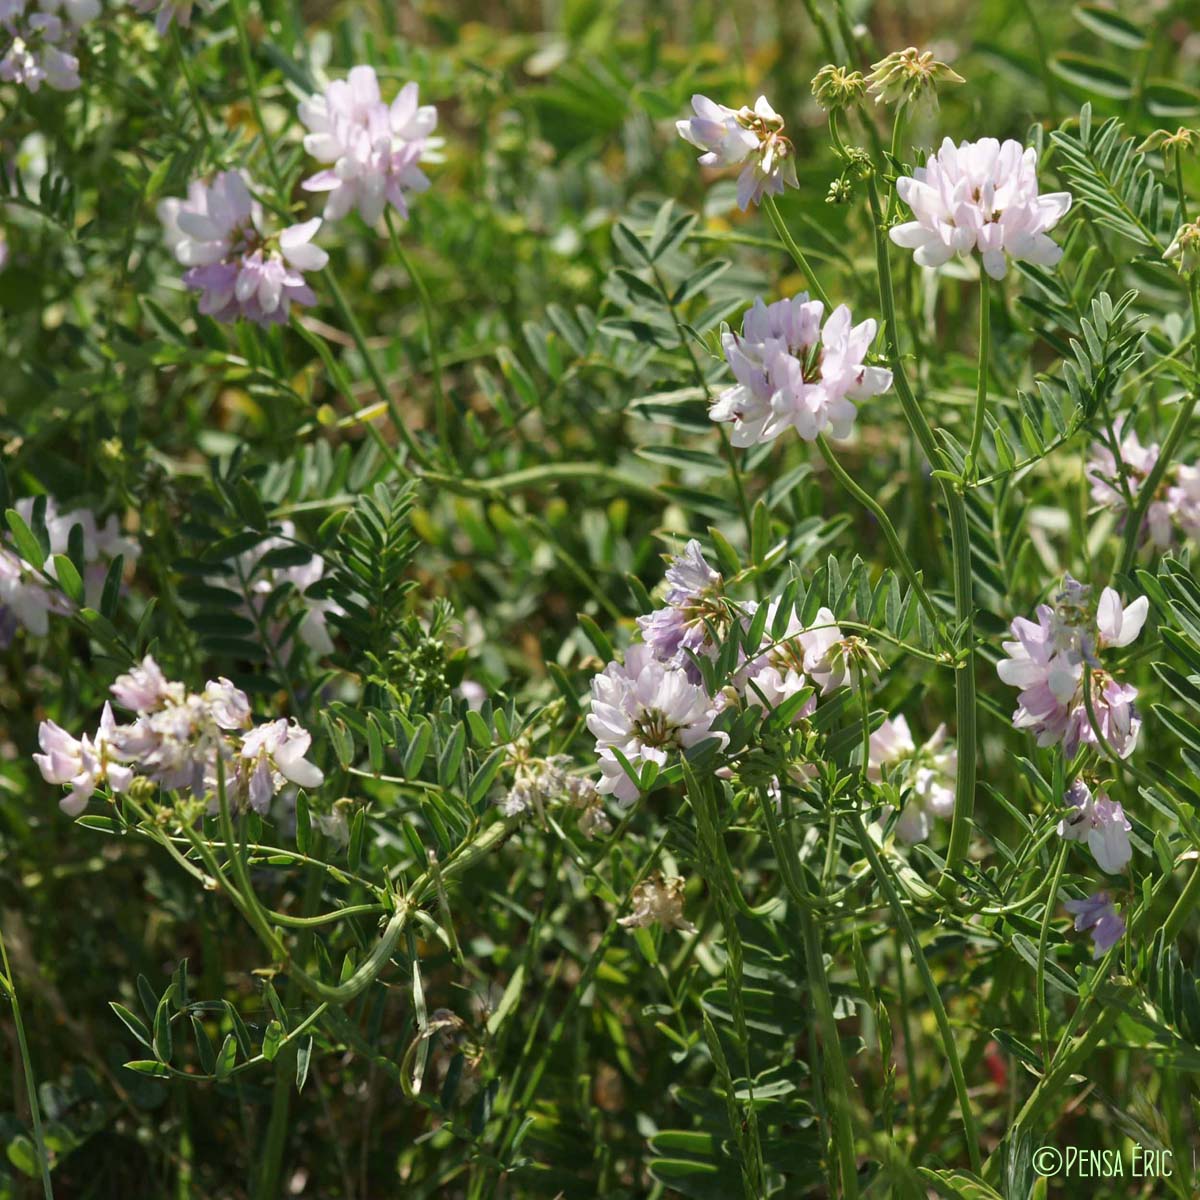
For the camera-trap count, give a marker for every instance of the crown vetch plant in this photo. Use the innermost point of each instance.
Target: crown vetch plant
(494, 756)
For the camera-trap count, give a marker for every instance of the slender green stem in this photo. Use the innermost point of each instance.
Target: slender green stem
(442, 412)
(385, 393)
(1179, 426)
(247, 55)
(193, 92)
(1183, 908)
(881, 873)
(1179, 188)
(35, 1108)
(960, 548)
(794, 250)
(889, 531)
(981, 387)
(838, 1092)
(1047, 913)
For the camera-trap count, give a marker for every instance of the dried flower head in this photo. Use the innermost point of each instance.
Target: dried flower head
(658, 900)
(909, 77)
(836, 87)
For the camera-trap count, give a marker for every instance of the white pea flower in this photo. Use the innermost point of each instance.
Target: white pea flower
(1100, 823)
(980, 197)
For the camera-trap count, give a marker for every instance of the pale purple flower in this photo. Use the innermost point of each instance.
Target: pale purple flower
(273, 755)
(166, 11)
(776, 673)
(1046, 662)
(792, 373)
(693, 601)
(647, 710)
(751, 138)
(38, 39)
(375, 149)
(1098, 914)
(1176, 504)
(928, 772)
(980, 197)
(1101, 823)
(145, 687)
(82, 764)
(831, 659)
(26, 597)
(237, 267)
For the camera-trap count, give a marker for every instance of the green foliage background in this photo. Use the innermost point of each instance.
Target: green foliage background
(578, 451)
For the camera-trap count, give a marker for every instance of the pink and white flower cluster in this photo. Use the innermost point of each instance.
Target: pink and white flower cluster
(239, 269)
(980, 197)
(176, 740)
(1046, 661)
(38, 39)
(657, 703)
(792, 372)
(27, 598)
(1174, 509)
(927, 772)
(375, 149)
(751, 138)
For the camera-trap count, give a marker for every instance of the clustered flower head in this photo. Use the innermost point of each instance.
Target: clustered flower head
(928, 772)
(646, 710)
(1098, 914)
(1047, 660)
(1176, 503)
(751, 138)
(38, 39)
(793, 372)
(26, 597)
(657, 703)
(239, 269)
(177, 740)
(658, 900)
(909, 77)
(980, 197)
(1100, 823)
(375, 148)
(166, 11)
(836, 87)
(263, 580)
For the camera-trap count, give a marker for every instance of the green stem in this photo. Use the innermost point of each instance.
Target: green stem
(960, 547)
(981, 388)
(442, 413)
(1183, 418)
(35, 1108)
(931, 990)
(1047, 913)
(794, 250)
(889, 531)
(385, 394)
(838, 1092)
